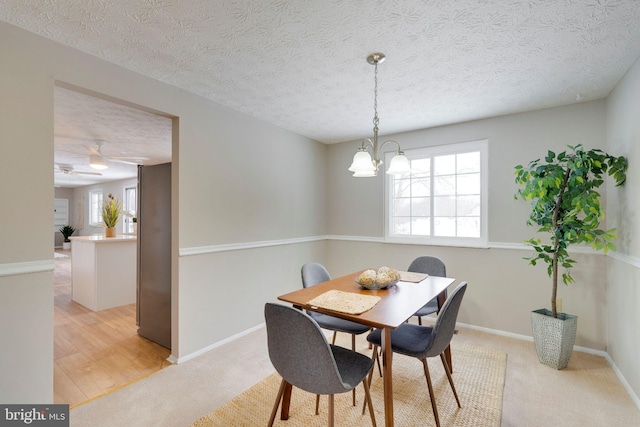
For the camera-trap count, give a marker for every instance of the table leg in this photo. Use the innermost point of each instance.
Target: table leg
(286, 402)
(387, 356)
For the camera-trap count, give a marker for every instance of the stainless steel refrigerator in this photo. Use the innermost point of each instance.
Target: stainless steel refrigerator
(154, 253)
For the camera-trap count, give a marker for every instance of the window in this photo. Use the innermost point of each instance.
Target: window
(95, 207)
(129, 206)
(443, 200)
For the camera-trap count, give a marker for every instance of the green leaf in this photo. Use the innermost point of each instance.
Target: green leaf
(565, 204)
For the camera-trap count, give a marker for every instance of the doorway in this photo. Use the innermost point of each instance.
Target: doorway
(98, 352)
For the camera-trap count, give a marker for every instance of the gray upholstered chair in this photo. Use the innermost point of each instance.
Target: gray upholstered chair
(422, 342)
(313, 274)
(432, 266)
(304, 358)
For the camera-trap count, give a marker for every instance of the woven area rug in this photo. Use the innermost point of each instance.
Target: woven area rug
(478, 374)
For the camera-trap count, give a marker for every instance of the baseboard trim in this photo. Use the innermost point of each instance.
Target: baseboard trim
(588, 350)
(623, 380)
(182, 359)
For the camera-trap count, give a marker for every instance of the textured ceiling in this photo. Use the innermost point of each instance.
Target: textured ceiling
(300, 64)
(81, 122)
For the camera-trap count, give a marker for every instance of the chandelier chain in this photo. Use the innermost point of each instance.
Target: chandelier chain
(375, 96)
(367, 164)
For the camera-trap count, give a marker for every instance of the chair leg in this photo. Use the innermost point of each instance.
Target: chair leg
(420, 320)
(448, 372)
(431, 394)
(367, 394)
(374, 356)
(353, 347)
(274, 411)
(333, 341)
(317, 404)
(331, 410)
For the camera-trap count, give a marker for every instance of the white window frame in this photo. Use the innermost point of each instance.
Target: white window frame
(95, 207)
(481, 146)
(127, 223)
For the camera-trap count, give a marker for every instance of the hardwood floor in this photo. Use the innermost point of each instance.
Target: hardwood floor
(96, 352)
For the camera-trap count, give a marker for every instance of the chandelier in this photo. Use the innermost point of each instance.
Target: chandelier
(363, 165)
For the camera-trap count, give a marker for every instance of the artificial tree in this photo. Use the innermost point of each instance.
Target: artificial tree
(565, 204)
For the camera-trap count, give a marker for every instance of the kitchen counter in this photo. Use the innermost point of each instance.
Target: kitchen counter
(99, 238)
(103, 270)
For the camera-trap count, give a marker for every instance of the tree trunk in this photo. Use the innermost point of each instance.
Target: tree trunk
(554, 280)
(556, 244)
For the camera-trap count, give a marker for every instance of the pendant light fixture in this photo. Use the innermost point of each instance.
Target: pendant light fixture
(98, 162)
(363, 165)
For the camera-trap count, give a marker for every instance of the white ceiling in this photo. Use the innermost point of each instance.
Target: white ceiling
(81, 120)
(300, 64)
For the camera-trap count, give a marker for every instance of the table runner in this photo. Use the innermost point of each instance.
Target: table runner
(344, 302)
(409, 276)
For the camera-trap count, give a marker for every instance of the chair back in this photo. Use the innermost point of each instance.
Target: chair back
(446, 323)
(431, 265)
(300, 352)
(313, 274)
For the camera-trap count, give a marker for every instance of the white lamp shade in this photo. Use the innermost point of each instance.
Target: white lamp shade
(362, 164)
(399, 165)
(98, 162)
(364, 174)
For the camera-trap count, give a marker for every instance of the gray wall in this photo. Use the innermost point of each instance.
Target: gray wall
(622, 299)
(503, 288)
(236, 180)
(253, 202)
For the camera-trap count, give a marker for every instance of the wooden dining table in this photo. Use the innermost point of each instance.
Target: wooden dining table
(397, 303)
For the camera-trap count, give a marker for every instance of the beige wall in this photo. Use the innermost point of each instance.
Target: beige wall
(503, 288)
(26, 300)
(235, 180)
(356, 204)
(249, 199)
(623, 281)
(223, 293)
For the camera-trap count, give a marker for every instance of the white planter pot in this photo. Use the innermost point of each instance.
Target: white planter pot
(66, 245)
(553, 337)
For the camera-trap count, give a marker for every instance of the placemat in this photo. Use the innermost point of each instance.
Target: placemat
(344, 302)
(409, 276)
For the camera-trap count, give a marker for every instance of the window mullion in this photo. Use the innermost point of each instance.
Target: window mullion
(432, 204)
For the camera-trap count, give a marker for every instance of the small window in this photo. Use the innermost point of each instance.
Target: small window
(130, 206)
(443, 201)
(95, 208)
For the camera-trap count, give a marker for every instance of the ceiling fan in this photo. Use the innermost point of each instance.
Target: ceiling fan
(99, 161)
(69, 170)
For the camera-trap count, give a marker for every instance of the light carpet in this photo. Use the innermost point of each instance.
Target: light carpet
(478, 374)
